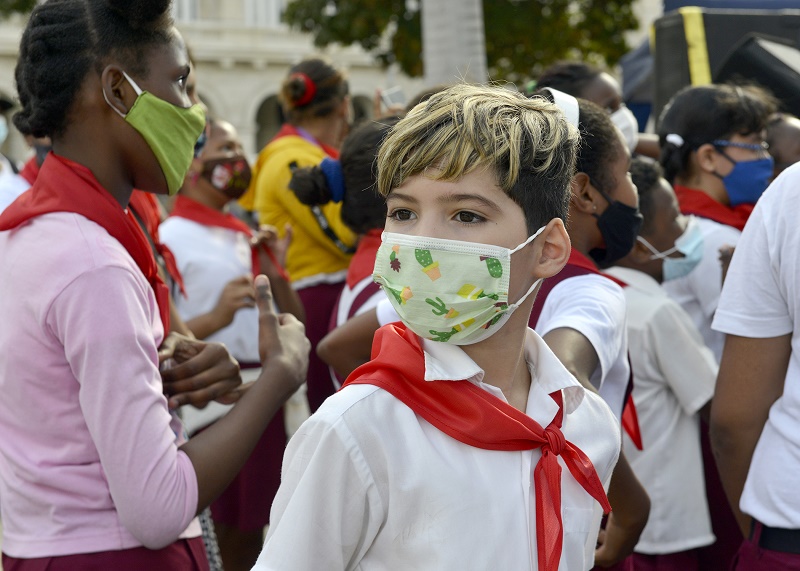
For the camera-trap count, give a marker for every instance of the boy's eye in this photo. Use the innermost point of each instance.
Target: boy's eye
(401, 214)
(468, 217)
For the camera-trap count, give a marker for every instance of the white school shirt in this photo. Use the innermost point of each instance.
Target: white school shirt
(761, 299)
(369, 485)
(208, 257)
(12, 185)
(674, 374)
(698, 292)
(594, 306)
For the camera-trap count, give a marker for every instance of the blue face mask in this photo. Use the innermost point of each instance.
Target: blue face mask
(749, 179)
(690, 244)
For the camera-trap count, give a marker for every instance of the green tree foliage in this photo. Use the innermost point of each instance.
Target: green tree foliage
(8, 7)
(522, 36)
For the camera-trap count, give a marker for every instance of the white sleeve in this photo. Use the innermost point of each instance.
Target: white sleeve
(687, 364)
(752, 302)
(328, 510)
(594, 306)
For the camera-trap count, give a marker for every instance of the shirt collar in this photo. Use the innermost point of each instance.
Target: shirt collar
(447, 362)
(637, 280)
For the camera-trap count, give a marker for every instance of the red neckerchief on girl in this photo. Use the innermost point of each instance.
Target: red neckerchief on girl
(145, 206)
(192, 210)
(30, 171)
(363, 261)
(65, 186)
(579, 265)
(475, 417)
(697, 202)
(288, 130)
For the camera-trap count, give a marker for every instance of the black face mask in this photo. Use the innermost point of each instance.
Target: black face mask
(619, 224)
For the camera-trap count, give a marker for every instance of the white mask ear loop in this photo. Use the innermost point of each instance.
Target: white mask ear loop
(656, 254)
(537, 282)
(136, 88)
(528, 241)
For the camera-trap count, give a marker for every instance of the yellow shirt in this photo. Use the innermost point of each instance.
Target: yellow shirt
(311, 253)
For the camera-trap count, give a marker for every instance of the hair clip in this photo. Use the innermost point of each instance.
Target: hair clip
(334, 176)
(675, 139)
(310, 91)
(567, 103)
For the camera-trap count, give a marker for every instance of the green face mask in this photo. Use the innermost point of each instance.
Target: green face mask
(169, 130)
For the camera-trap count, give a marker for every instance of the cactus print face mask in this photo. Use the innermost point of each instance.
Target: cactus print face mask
(447, 290)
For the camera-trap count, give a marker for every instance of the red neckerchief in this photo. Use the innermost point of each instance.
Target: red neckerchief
(697, 202)
(473, 416)
(363, 261)
(66, 186)
(288, 130)
(192, 210)
(578, 265)
(30, 171)
(145, 206)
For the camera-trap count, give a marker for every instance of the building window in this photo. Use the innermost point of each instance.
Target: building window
(264, 13)
(185, 10)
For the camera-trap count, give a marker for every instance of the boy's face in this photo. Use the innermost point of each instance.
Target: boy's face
(471, 209)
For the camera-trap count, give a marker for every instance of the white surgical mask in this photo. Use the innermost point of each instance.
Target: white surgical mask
(626, 122)
(447, 290)
(690, 244)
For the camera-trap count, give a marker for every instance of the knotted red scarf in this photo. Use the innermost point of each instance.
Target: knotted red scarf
(697, 202)
(202, 214)
(475, 417)
(65, 186)
(145, 206)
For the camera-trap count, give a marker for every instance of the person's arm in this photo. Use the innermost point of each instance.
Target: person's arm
(751, 378)
(272, 259)
(628, 498)
(648, 145)
(219, 452)
(350, 345)
(237, 294)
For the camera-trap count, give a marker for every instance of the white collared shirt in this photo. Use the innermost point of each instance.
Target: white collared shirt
(369, 485)
(674, 376)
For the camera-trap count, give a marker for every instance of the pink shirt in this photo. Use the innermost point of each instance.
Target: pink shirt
(89, 457)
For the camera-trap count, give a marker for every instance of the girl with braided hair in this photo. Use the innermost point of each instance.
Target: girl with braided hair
(94, 470)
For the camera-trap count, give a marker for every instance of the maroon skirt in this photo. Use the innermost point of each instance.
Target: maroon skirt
(681, 561)
(318, 301)
(246, 502)
(752, 557)
(183, 555)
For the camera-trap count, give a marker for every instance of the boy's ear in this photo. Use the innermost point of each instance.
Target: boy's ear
(555, 249)
(582, 196)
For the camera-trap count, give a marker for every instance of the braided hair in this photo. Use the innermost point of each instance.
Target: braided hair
(600, 145)
(66, 39)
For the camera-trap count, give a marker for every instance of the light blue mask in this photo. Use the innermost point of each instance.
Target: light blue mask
(690, 244)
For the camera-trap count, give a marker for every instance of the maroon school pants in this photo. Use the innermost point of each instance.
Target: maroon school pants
(752, 557)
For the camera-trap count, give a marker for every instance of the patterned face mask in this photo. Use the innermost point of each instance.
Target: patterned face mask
(447, 290)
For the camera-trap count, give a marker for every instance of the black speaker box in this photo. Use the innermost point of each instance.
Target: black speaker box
(723, 30)
(770, 62)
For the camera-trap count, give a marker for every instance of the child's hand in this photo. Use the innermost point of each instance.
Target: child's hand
(282, 342)
(237, 294)
(267, 236)
(194, 372)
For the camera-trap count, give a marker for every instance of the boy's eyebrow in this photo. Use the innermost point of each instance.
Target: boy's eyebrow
(473, 197)
(395, 195)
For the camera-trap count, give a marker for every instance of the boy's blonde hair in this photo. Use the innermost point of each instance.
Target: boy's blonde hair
(527, 142)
